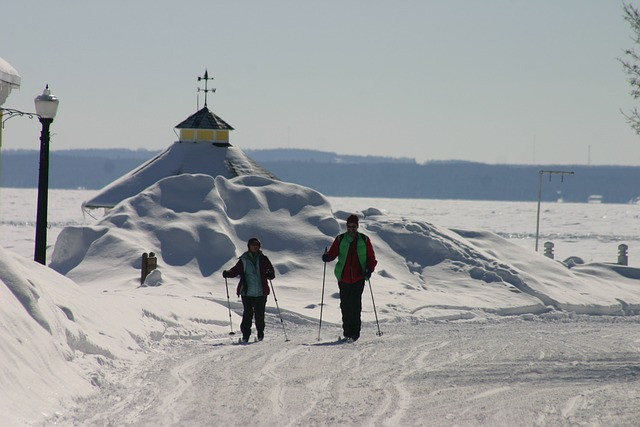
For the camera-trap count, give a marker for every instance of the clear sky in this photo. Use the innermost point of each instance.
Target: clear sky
(496, 81)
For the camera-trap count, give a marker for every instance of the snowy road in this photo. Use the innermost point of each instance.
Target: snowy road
(508, 372)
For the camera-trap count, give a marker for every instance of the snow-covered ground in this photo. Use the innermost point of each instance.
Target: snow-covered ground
(542, 371)
(478, 329)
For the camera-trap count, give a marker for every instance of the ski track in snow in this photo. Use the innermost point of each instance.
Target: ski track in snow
(506, 372)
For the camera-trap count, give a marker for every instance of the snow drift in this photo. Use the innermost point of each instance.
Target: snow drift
(197, 225)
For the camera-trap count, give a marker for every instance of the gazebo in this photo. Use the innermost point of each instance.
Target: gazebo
(202, 148)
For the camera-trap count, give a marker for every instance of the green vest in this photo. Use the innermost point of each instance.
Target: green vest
(252, 283)
(361, 247)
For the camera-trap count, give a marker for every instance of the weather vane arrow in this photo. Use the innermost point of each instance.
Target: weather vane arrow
(206, 79)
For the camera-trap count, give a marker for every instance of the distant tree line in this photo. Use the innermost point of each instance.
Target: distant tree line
(90, 169)
(302, 155)
(462, 180)
(336, 175)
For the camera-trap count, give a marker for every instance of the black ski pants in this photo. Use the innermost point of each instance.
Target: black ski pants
(253, 306)
(351, 307)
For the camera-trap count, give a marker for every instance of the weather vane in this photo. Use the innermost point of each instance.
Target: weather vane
(206, 79)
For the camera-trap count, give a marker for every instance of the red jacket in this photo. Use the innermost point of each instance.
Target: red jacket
(352, 271)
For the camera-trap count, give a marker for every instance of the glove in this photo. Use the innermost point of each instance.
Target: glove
(225, 274)
(270, 274)
(367, 274)
(325, 257)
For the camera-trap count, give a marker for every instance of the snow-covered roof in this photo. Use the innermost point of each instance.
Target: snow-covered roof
(203, 119)
(179, 158)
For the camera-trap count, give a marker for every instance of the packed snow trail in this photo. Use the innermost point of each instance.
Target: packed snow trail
(583, 370)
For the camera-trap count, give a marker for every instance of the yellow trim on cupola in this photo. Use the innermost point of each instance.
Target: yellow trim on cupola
(204, 135)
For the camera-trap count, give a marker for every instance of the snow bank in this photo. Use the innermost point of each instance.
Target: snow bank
(197, 226)
(48, 323)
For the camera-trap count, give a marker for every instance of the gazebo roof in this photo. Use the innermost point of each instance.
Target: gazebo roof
(179, 158)
(204, 119)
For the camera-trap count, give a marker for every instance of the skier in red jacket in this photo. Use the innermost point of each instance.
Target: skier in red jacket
(356, 262)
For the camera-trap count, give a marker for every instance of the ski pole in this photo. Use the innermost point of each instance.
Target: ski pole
(322, 298)
(379, 333)
(280, 315)
(226, 284)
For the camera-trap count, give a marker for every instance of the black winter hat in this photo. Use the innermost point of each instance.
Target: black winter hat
(254, 240)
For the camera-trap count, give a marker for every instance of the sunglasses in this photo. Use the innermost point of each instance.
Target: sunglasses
(352, 226)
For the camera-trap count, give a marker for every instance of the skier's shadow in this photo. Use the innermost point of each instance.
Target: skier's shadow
(326, 343)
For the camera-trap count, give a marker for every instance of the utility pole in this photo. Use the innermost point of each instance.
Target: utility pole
(542, 172)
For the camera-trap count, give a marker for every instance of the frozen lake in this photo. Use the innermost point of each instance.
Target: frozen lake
(589, 231)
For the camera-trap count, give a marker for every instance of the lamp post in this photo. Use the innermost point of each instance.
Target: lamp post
(46, 108)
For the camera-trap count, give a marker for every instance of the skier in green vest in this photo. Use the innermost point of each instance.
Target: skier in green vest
(356, 262)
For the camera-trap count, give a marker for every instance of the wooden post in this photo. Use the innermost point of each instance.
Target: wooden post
(149, 263)
(152, 262)
(143, 267)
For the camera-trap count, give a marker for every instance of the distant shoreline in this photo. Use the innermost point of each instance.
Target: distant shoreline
(352, 176)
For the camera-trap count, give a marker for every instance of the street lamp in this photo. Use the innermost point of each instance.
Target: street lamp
(46, 108)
